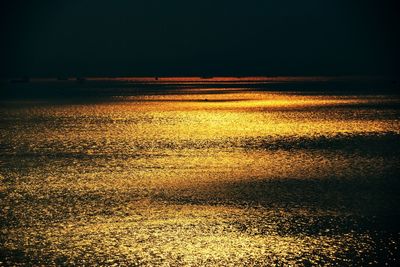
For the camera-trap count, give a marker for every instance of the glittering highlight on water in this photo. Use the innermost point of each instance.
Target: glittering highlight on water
(201, 177)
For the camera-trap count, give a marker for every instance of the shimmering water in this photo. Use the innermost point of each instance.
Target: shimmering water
(201, 176)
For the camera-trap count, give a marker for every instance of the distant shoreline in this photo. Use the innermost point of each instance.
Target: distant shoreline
(204, 79)
(103, 87)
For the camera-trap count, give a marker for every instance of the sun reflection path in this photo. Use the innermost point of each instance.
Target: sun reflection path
(229, 178)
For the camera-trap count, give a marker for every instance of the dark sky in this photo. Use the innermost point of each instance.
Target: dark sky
(135, 38)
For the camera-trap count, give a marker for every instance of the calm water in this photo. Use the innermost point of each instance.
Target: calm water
(201, 176)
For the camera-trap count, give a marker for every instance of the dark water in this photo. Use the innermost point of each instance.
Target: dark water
(200, 175)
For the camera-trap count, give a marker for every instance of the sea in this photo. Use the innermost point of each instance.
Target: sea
(200, 171)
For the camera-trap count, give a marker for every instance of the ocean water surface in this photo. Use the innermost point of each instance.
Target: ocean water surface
(199, 174)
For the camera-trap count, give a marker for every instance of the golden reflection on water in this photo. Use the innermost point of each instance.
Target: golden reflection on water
(195, 178)
(184, 235)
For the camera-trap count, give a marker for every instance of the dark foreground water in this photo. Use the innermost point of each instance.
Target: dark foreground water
(197, 175)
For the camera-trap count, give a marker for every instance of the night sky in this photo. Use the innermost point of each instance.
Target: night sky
(52, 38)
